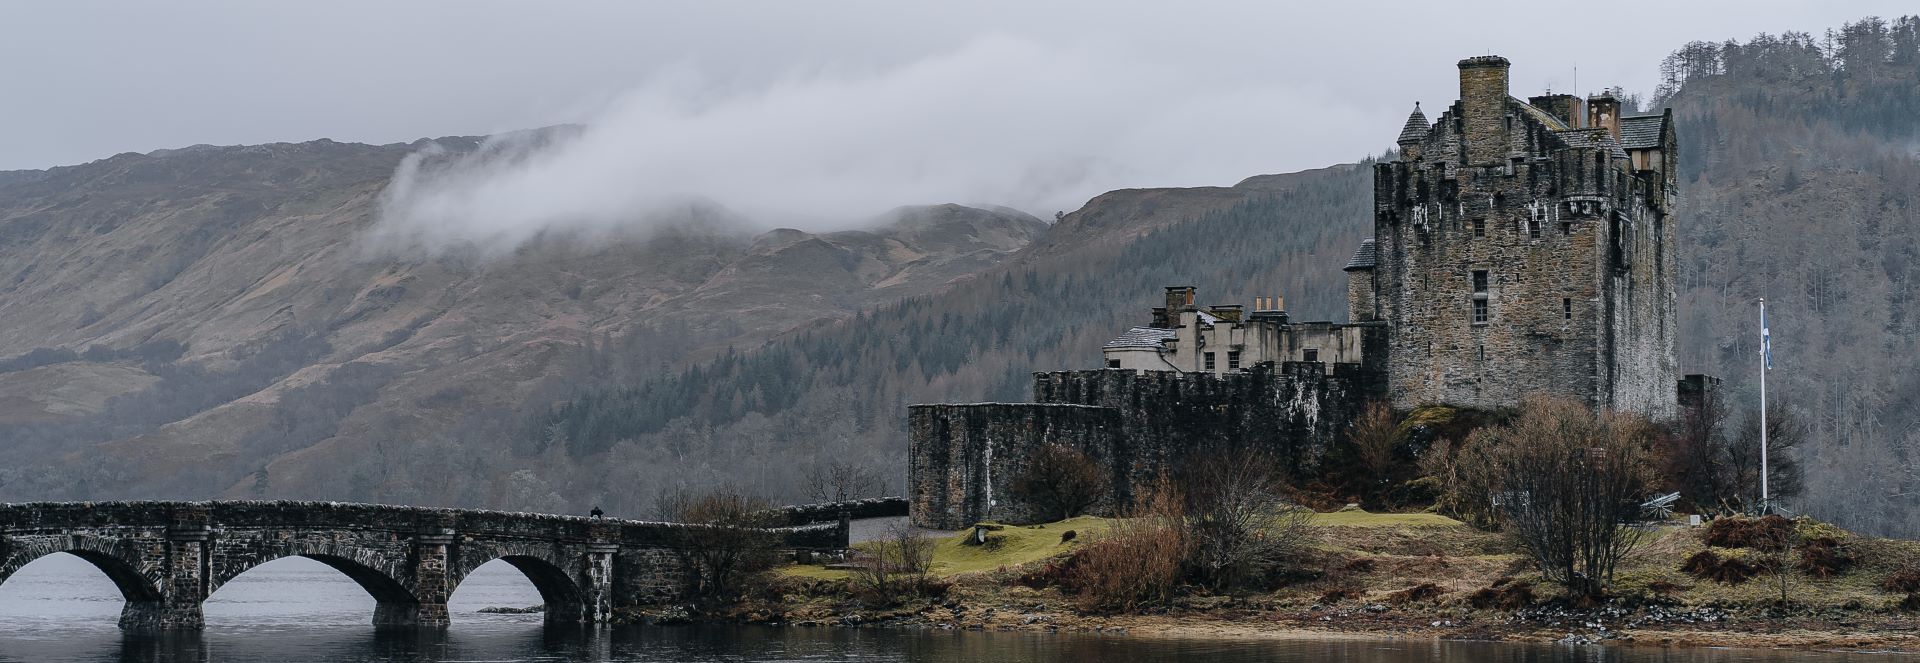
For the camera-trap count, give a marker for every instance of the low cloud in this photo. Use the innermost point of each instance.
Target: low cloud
(1000, 120)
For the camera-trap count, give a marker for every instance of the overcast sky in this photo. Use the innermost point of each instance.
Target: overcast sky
(1025, 103)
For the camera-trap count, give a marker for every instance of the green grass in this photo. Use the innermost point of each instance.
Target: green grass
(1024, 544)
(1019, 544)
(1015, 545)
(1358, 518)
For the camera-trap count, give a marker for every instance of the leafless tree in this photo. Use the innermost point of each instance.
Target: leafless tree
(1236, 517)
(1374, 435)
(840, 481)
(1694, 457)
(727, 543)
(1568, 483)
(1785, 433)
(1061, 481)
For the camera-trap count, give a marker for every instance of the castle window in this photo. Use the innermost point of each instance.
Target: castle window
(1480, 307)
(1233, 360)
(1209, 361)
(1479, 227)
(1113, 363)
(1566, 308)
(1310, 354)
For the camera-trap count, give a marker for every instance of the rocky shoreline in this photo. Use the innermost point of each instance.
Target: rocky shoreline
(1854, 630)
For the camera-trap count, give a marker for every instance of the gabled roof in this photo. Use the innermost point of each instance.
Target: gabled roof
(1141, 337)
(1417, 127)
(1363, 257)
(1642, 131)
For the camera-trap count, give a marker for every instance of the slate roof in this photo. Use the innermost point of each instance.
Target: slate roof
(1141, 337)
(1591, 137)
(1417, 127)
(1539, 114)
(1642, 131)
(1363, 258)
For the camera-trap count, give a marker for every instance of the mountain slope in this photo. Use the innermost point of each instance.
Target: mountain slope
(248, 339)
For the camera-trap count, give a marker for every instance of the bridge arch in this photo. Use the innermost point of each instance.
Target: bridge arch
(382, 573)
(549, 567)
(119, 559)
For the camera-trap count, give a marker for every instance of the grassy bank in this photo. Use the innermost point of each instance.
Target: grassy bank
(1404, 575)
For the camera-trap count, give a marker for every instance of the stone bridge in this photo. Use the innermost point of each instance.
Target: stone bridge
(168, 557)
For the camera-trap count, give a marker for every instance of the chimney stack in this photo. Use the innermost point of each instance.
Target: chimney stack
(1483, 102)
(1179, 298)
(1603, 110)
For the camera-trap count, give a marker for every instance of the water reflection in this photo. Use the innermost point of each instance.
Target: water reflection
(65, 613)
(715, 644)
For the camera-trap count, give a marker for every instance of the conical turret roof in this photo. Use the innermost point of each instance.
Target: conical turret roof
(1417, 127)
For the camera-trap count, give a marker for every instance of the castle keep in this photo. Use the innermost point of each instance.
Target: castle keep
(1524, 247)
(1519, 247)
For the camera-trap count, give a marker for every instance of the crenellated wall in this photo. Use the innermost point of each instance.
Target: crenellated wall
(1134, 424)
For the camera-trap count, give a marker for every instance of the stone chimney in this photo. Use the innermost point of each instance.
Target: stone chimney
(1603, 111)
(1179, 298)
(1483, 103)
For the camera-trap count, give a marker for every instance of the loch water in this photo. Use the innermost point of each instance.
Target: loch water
(60, 609)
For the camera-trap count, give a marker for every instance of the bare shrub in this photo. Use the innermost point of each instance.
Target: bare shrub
(840, 482)
(1747, 532)
(1138, 561)
(896, 567)
(1375, 436)
(1703, 565)
(1060, 481)
(1422, 592)
(1825, 557)
(1502, 595)
(1568, 482)
(1733, 571)
(728, 548)
(1238, 522)
(1773, 538)
(1905, 579)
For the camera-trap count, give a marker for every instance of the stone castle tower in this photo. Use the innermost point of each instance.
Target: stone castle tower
(1524, 247)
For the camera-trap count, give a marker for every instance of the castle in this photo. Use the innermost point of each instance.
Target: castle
(1519, 247)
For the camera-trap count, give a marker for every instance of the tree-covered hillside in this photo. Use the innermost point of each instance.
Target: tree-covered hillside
(1801, 183)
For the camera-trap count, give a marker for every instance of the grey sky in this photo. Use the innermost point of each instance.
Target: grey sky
(1044, 90)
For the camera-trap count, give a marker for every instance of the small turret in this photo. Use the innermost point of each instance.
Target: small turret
(1414, 133)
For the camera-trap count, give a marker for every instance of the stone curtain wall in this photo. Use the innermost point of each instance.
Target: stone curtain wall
(961, 458)
(1134, 424)
(168, 557)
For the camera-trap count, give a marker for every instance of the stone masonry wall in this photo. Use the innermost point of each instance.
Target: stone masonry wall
(962, 457)
(1136, 425)
(1575, 247)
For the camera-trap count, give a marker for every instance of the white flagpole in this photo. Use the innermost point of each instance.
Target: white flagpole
(1766, 503)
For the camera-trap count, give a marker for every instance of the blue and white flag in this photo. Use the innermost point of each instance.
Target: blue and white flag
(1766, 339)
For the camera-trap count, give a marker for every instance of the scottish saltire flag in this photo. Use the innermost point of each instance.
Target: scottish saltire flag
(1766, 339)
